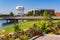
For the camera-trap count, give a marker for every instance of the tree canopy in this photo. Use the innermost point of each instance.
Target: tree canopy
(11, 14)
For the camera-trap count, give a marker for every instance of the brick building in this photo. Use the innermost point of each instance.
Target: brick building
(41, 11)
(57, 13)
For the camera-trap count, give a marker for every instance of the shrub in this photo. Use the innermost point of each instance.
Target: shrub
(16, 28)
(24, 37)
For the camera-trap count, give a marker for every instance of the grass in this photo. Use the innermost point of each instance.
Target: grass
(25, 25)
(7, 30)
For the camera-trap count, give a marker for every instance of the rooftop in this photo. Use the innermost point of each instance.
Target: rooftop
(57, 13)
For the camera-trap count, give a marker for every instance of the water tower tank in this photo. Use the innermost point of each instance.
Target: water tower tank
(20, 10)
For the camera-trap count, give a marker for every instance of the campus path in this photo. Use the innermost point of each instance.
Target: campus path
(29, 17)
(49, 37)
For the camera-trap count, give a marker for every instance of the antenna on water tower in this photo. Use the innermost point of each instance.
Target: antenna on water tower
(20, 10)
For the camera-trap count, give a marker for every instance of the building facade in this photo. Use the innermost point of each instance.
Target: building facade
(39, 12)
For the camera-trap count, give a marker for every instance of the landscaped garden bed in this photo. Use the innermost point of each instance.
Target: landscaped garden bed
(31, 28)
(37, 28)
(23, 34)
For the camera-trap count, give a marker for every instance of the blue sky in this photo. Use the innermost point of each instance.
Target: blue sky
(7, 6)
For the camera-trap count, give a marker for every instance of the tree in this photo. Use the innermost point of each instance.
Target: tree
(45, 15)
(37, 13)
(44, 27)
(11, 14)
(30, 13)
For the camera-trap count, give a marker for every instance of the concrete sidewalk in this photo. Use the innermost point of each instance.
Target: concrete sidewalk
(49, 37)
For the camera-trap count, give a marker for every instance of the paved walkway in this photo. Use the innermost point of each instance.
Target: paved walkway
(28, 17)
(49, 37)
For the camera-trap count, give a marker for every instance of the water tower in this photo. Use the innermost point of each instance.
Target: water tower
(20, 10)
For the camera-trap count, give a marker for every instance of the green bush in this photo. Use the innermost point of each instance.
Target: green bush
(24, 37)
(17, 28)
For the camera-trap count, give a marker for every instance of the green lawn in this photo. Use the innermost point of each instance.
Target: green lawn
(25, 25)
